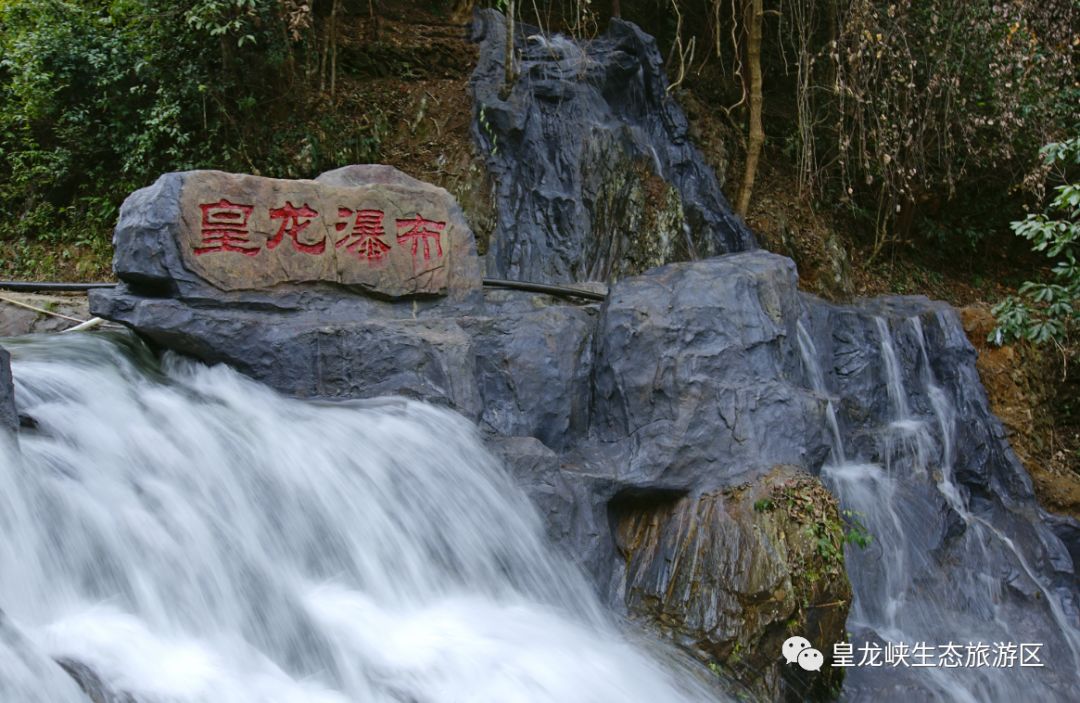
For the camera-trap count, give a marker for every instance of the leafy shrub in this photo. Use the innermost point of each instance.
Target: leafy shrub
(1049, 310)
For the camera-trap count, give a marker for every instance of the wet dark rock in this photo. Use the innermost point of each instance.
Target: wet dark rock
(950, 421)
(28, 675)
(572, 504)
(698, 375)
(517, 366)
(9, 418)
(649, 428)
(92, 685)
(595, 175)
(729, 574)
(532, 372)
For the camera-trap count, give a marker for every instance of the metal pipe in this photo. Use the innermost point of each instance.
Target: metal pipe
(50, 287)
(548, 288)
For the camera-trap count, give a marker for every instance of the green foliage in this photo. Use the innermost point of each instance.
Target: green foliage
(1049, 309)
(97, 98)
(855, 532)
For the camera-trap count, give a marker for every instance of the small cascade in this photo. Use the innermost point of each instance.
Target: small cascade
(809, 355)
(230, 545)
(935, 572)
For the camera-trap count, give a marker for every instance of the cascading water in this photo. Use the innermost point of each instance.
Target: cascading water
(188, 535)
(809, 355)
(936, 572)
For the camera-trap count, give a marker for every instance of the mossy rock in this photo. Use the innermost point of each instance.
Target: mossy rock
(730, 575)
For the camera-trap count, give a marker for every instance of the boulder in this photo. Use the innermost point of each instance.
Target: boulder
(532, 372)
(9, 417)
(594, 173)
(698, 374)
(948, 505)
(374, 230)
(731, 574)
(574, 504)
(517, 370)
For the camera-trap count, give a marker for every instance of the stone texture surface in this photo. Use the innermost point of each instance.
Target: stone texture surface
(698, 374)
(595, 175)
(729, 574)
(668, 406)
(240, 233)
(9, 418)
(992, 528)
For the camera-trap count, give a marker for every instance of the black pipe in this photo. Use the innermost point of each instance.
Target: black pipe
(563, 291)
(544, 288)
(39, 286)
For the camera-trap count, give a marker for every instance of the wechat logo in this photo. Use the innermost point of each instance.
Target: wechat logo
(797, 650)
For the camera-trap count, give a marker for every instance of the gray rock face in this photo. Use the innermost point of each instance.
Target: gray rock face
(725, 572)
(9, 418)
(698, 377)
(688, 381)
(595, 175)
(952, 506)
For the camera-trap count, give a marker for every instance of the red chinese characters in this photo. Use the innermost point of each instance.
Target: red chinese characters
(295, 220)
(417, 230)
(225, 228)
(366, 237)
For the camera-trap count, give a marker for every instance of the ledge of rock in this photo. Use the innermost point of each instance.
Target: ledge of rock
(646, 429)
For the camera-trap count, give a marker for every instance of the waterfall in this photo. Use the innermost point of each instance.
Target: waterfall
(936, 572)
(189, 535)
(809, 355)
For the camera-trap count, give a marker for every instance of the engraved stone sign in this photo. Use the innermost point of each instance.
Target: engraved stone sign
(376, 229)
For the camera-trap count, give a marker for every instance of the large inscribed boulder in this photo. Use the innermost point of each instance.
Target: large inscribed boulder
(388, 236)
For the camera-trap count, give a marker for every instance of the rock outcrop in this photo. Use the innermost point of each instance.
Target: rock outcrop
(602, 413)
(729, 574)
(698, 378)
(595, 175)
(9, 418)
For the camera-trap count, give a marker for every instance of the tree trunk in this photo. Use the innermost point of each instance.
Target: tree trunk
(509, 45)
(756, 137)
(334, 10)
(616, 8)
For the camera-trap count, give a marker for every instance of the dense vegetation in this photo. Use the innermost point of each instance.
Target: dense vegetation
(921, 123)
(98, 97)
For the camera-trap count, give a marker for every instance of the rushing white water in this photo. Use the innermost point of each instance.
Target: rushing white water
(906, 593)
(191, 536)
(809, 355)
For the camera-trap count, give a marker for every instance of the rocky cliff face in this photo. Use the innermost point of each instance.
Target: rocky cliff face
(595, 175)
